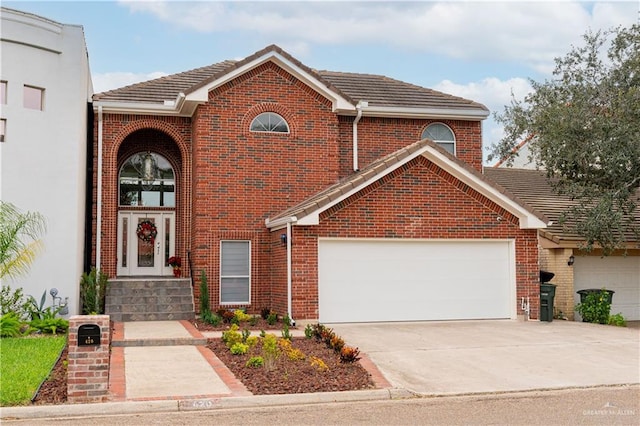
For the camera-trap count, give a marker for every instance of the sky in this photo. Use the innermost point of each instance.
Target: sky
(485, 51)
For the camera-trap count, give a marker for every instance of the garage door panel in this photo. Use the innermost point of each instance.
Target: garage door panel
(618, 273)
(364, 280)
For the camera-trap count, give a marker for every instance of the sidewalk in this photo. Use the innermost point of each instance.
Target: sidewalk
(165, 366)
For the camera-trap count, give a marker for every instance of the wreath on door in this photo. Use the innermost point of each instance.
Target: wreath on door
(147, 231)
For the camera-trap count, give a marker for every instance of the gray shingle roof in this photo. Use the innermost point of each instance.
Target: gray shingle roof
(533, 188)
(378, 90)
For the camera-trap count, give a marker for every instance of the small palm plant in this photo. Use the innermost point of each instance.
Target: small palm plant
(20, 239)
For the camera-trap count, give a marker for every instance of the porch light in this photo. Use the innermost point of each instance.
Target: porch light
(571, 260)
(283, 239)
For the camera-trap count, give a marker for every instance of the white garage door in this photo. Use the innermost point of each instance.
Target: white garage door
(413, 280)
(617, 273)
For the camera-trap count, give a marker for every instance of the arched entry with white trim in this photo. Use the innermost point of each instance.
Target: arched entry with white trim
(146, 216)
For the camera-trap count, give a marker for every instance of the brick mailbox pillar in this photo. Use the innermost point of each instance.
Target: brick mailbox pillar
(88, 357)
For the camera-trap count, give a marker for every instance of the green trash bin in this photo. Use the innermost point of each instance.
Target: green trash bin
(547, 294)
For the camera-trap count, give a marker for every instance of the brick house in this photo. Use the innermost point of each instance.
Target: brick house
(325, 195)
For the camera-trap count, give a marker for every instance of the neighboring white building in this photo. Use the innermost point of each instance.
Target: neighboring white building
(46, 88)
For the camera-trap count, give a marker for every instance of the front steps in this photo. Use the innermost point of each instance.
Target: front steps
(149, 299)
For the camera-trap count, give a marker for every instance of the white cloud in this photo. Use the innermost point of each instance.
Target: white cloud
(115, 80)
(531, 33)
(492, 92)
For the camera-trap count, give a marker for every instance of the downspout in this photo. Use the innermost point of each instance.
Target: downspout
(359, 106)
(99, 195)
(289, 274)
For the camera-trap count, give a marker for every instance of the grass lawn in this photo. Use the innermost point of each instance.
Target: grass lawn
(24, 363)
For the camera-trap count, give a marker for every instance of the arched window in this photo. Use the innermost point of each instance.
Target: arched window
(269, 122)
(442, 135)
(147, 179)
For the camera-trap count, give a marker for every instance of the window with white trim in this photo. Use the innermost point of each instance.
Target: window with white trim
(442, 135)
(235, 272)
(269, 122)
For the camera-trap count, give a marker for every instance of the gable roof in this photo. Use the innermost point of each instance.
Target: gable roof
(308, 212)
(181, 93)
(533, 187)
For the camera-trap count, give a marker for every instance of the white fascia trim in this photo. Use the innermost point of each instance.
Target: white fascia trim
(439, 113)
(179, 106)
(314, 217)
(527, 219)
(339, 103)
(279, 223)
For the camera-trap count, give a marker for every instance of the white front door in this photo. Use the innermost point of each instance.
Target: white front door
(146, 240)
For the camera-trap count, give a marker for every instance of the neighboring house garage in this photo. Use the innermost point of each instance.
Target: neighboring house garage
(412, 280)
(619, 272)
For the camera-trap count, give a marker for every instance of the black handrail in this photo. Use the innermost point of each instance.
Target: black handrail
(190, 267)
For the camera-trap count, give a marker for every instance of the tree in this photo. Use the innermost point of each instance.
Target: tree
(20, 242)
(584, 126)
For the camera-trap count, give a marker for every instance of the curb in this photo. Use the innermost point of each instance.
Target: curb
(257, 401)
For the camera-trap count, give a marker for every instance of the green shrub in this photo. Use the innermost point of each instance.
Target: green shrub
(50, 325)
(272, 318)
(239, 348)
(308, 331)
(231, 336)
(595, 308)
(255, 361)
(93, 291)
(286, 320)
(241, 316)
(204, 294)
(286, 334)
(617, 320)
(13, 301)
(10, 325)
(253, 321)
(252, 341)
(210, 318)
(270, 350)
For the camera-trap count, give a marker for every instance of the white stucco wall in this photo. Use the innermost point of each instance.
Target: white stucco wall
(43, 158)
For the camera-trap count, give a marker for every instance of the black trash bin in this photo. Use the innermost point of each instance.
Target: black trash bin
(547, 294)
(583, 293)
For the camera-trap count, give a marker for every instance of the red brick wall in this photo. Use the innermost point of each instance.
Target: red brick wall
(240, 177)
(378, 137)
(88, 366)
(439, 206)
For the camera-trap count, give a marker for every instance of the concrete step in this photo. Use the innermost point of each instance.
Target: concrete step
(150, 299)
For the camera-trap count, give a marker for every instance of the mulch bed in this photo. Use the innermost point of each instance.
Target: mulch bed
(290, 376)
(54, 389)
(261, 324)
(286, 377)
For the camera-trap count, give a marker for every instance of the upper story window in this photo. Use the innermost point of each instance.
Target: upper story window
(269, 122)
(147, 179)
(33, 98)
(442, 135)
(3, 92)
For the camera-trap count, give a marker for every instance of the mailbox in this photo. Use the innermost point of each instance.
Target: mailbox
(89, 335)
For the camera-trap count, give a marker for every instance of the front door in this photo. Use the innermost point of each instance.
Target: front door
(146, 240)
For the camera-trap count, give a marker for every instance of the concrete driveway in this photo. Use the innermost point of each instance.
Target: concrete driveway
(434, 358)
